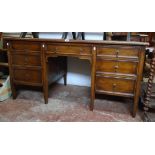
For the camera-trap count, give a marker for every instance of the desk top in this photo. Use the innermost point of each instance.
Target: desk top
(79, 41)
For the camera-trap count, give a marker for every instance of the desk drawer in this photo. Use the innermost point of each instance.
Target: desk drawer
(118, 51)
(24, 59)
(116, 66)
(69, 50)
(111, 84)
(25, 46)
(27, 75)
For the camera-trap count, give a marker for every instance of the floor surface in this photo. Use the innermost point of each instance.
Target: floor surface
(66, 104)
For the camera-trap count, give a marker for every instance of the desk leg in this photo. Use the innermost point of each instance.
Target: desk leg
(65, 79)
(93, 72)
(45, 74)
(138, 84)
(45, 83)
(65, 70)
(14, 93)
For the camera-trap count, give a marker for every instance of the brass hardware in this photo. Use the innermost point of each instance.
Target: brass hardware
(117, 53)
(94, 48)
(114, 86)
(116, 67)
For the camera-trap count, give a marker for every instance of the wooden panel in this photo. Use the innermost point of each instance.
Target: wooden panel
(115, 85)
(116, 66)
(27, 75)
(70, 50)
(24, 59)
(118, 51)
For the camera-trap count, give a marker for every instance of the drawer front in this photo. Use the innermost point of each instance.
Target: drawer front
(25, 46)
(115, 85)
(118, 51)
(27, 75)
(70, 50)
(116, 66)
(23, 59)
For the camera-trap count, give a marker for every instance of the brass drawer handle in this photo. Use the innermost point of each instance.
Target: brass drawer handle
(116, 67)
(117, 53)
(114, 86)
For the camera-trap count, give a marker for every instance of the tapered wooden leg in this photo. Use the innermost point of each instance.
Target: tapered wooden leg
(45, 74)
(93, 72)
(46, 95)
(14, 93)
(135, 106)
(65, 79)
(138, 83)
(45, 84)
(65, 70)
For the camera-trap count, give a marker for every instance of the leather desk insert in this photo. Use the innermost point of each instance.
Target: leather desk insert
(116, 67)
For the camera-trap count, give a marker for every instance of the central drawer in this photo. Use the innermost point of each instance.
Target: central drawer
(70, 50)
(24, 59)
(114, 85)
(116, 66)
(27, 75)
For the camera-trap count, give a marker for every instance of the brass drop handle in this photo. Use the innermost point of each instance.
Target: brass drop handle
(116, 67)
(114, 86)
(117, 53)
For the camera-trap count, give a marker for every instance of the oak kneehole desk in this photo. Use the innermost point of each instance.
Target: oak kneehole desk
(116, 66)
